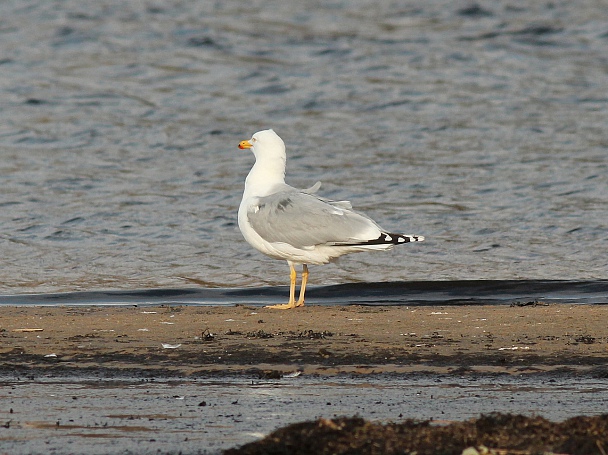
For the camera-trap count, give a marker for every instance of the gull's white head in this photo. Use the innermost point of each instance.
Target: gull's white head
(266, 144)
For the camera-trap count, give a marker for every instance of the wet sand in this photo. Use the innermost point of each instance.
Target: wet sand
(187, 340)
(205, 379)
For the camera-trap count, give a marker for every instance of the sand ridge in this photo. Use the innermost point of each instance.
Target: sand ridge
(314, 339)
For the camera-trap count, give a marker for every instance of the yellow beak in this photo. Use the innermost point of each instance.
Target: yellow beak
(245, 145)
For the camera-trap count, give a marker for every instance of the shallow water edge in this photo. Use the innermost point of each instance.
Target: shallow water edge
(209, 415)
(464, 292)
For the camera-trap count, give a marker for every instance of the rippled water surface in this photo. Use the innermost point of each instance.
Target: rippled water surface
(481, 127)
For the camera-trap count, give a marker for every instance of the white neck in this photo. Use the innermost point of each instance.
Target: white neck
(263, 176)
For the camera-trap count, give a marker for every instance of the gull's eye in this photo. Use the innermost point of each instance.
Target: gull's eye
(253, 139)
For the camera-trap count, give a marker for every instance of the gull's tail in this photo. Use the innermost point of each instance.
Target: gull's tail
(395, 239)
(386, 241)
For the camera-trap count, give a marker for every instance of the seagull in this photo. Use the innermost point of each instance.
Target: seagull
(298, 226)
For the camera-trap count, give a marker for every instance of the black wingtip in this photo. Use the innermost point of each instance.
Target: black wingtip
(390, 239)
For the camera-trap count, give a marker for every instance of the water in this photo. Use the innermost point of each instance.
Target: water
(483, 129)
(440, 293)
(129, 415)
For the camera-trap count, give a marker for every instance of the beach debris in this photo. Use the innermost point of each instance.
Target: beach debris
(315, 335)
(170, 346)
(169, 323)
(51, 355)
(514, 348)
(325, 353)
(149, 312)
(514, 434)
(259, 334)
(206, 335)
(295, 374)
(332, 425)
(586, 339)
(27, 330)
(535, 302)
(269, 374)
(481, 450)
(257, 434)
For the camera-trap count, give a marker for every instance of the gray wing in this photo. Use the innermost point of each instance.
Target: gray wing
(302, 220)
(313, 189)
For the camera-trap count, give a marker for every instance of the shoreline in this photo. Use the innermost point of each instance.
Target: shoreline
(209, 379)
(188, 340)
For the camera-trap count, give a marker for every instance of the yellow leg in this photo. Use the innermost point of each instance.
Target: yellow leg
(292, 292)
(300, 301)
(293, 276)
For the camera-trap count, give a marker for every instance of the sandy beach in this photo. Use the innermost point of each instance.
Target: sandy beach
(187, 379)
(188, 340)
